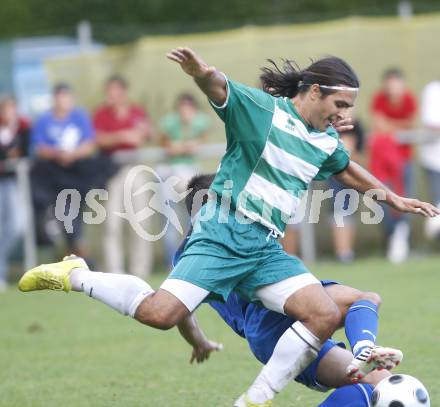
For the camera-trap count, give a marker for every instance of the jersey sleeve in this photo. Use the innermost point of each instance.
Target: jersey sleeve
(165, 124)
(429, 107)
(377, 103)
(412, 105)
(98, 120)
(247, 112)
(87, 129)
(203, 123)
(39, 134)
(335, 163)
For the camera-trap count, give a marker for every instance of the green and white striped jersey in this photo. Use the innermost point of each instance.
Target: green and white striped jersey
(272, 155)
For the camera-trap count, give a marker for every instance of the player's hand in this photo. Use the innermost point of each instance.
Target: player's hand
(191, 63)
(201, 352)
(343, 125)
(415, 206)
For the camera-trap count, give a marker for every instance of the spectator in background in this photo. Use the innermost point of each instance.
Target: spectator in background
(14, 136)
(344, 236)
(122, 126)
(63, 142)
(181, 133)
(393, 108)
(430, 152)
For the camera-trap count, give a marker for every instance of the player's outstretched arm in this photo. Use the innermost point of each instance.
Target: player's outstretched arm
(358, 178)
(210, 81)
(193, 334)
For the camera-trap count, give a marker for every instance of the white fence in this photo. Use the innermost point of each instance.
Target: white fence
(154, 155)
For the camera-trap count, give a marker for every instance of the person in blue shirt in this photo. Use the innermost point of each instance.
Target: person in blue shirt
(262, 329)
(63, 144)
(63, 134)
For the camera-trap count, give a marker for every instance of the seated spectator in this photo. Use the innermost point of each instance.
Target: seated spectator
(14, 135)
(121, 125)
(63, 143)
(394, 108)
(181, 133)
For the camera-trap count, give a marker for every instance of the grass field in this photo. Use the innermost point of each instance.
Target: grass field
(68, 350)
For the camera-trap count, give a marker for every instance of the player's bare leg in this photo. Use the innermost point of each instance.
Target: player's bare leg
(126, 294)
(333, 366)
(317, 318)
(161, 310)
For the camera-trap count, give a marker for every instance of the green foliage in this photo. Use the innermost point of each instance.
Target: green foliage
(68, 350)
(116, 21)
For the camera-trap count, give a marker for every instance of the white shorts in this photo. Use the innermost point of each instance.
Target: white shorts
(274, 296)
(189, 294)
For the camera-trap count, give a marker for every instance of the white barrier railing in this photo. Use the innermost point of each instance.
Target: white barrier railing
(418, 136)
(149, 155)
(21, 167)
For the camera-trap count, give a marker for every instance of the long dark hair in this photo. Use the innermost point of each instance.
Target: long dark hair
(200, 182)
(285, 80)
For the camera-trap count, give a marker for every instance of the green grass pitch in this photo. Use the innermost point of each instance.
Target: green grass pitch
(68, 350)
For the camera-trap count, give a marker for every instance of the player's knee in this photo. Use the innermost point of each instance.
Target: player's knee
(372, 297)
(155, 317)
(158, 320)
(334, 318)
(164, 323)
(328, 319)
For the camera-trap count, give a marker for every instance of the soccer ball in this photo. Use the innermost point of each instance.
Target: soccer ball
(400, 390)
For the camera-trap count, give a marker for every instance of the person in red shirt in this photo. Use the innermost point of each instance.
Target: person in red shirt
(393, 108)
(121, 125)
(14, 143)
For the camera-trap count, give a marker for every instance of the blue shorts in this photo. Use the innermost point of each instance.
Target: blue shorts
(263, 328)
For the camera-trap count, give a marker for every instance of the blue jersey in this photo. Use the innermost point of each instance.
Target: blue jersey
(354, 395)
(260, 327)
(64, 133)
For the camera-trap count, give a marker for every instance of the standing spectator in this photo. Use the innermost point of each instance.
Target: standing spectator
(14, 136)
(344, 236)
(63, 142)
(181, 133)
(121, 126)
(394, 108)
(430, 152)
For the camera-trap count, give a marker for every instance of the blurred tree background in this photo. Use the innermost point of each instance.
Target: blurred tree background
(116, 21)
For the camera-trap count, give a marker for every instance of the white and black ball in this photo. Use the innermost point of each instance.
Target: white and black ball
(400, 390)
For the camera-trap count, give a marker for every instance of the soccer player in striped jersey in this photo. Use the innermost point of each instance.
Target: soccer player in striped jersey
(263, 328)
(278, 141)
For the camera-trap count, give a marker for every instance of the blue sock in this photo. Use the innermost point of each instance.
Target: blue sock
(353, 395)
(361, 325)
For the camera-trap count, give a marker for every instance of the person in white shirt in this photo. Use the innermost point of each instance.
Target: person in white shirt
(430, 152)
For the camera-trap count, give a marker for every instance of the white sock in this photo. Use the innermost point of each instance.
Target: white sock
(122, 292)
(294, 351)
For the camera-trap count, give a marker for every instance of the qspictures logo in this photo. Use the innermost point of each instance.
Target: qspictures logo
(159, 197)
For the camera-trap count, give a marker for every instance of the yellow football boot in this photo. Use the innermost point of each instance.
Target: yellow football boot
(244, 401)
(54, 276)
